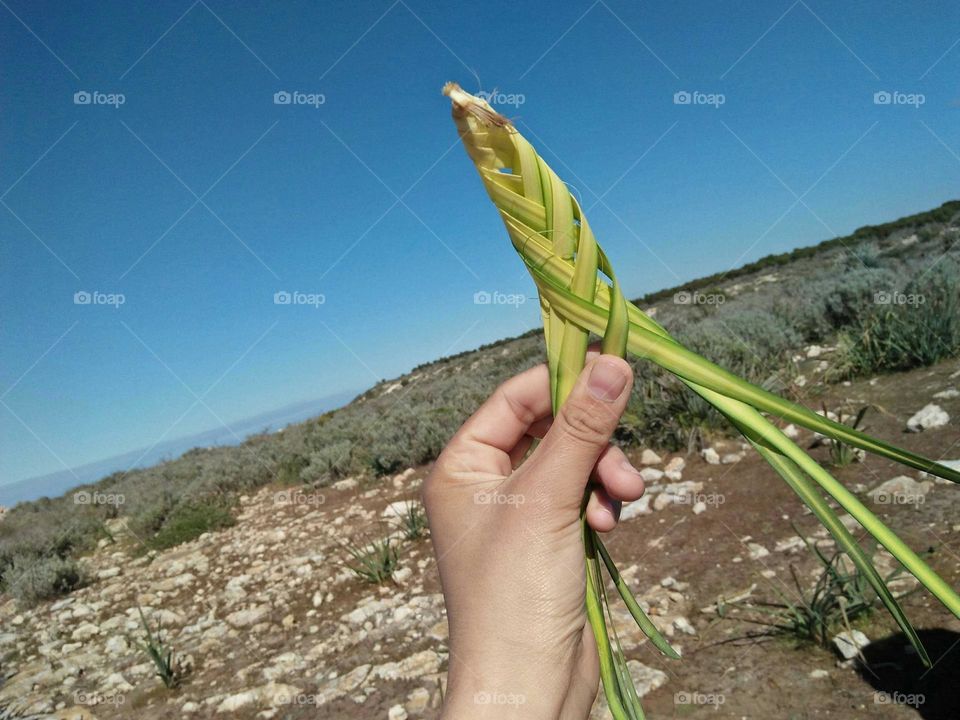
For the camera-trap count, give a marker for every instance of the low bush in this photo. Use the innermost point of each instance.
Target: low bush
(190, 520)
(34, 578)
(913, 327)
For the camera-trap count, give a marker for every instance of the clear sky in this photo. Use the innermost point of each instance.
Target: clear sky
(183, 187)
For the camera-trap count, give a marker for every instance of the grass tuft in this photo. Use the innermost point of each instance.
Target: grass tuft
(373, 561)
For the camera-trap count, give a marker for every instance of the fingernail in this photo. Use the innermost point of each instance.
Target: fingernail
(606, 381)
(629, 468)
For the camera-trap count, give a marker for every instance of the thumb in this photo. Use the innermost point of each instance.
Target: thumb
(562, 463)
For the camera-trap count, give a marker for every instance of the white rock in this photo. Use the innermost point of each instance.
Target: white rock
(699, 507)
(251, 616)
(635, 508)
(650, 474)
(85, 631)
(818, 674)
(345, 484)
(731, 458)
(418, 700)
(663, 499)
(757, 551)
(850, 643)
(901, 490)
(645, 679)
(397, 712)
(81, 611)
(711, 456)
(790, 545)
(929, 417)
(271, 694)
(683, 625)
(117, 645)
(399, 509)
(948, 394)
(426, 662)
(676, 464)
(649, 457)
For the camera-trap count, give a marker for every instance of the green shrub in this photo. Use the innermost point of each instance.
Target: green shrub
(32, 579)
(753, 344)
(816, 308)
(189, 521)
(291, 468)
(917, 326)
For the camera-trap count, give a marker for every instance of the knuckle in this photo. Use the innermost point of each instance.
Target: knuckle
(585, 424)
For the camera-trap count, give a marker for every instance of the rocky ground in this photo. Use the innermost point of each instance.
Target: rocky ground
(265, 621)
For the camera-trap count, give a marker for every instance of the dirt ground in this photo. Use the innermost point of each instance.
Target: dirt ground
(726, 670)
(726, 673)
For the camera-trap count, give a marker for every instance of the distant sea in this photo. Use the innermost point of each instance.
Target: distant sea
(57, 483)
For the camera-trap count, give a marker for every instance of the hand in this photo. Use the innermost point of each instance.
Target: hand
(507, 535)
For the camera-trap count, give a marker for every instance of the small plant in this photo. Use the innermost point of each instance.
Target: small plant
(841, 453)
(841, 595)
(169, 668)
(413, 521)
(374, 561)
(11, 711)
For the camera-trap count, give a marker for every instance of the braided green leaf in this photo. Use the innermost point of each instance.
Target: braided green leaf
(580, 295)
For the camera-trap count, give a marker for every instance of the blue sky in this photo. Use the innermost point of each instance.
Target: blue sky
(199, 198)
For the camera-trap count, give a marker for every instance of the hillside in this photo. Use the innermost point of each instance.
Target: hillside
(265, 620)
(751, 321)
(239, 557)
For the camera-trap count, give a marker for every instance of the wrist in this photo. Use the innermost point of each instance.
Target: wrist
(474, 693)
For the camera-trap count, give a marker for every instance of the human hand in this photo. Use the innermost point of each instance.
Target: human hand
(507, 535)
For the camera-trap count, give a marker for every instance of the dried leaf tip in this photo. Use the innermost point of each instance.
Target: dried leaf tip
(466, 104)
